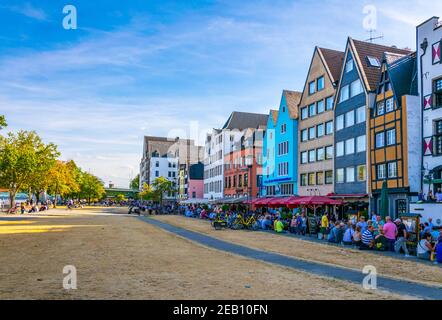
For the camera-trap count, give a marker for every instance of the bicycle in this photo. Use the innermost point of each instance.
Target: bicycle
(219, 222)
(249, 223)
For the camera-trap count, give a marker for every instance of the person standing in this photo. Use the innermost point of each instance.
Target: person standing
(324, 226)
(390, 232)
(362, 224)
(401, 239)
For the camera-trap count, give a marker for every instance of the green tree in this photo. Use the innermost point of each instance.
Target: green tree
(120, 197)
(135, 183)
(147, 193)
(21, 157)
(63, 179)
(91, 187)
(162, 186)
(3, 122)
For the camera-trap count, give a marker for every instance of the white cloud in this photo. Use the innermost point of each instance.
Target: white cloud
(28, 10)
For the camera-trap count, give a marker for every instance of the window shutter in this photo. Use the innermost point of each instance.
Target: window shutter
(436, 52)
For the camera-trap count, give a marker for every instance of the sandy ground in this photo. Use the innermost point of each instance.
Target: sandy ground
(121, 257)
(354, 259)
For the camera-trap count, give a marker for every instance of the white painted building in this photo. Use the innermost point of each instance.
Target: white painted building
(214, 164)
(166, 167)
(429, 48)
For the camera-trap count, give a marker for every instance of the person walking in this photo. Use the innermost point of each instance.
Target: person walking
(390, 232)
(401, 238)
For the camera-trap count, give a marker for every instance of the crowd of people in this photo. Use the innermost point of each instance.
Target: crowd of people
(365, 234)
(430, 197)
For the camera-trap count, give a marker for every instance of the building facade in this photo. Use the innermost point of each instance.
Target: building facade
(316, 123)
(395, 139)
(356, 92)
(429, 42)
(221, 142)
(280, 148)
(243, 165)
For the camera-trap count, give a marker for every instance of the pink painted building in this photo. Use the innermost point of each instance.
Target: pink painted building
(195, 187)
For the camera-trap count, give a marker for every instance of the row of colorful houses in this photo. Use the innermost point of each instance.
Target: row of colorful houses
(366, 115)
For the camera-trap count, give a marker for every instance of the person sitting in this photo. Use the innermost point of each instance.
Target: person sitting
(380, 241)
(278, 226)
(362, 223)
(367, 239)
(357, 235)
(439, 195)
(332, 235)
(438, 248)
(348, 234)
(424, 247)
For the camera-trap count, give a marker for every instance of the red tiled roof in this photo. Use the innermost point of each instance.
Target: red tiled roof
(292, 98)
(334, 60)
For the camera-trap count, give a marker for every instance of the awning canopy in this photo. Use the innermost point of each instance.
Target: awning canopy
(195, 201)
(281, 202)
(313, 201)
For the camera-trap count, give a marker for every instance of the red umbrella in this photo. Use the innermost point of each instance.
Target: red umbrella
(281, 202)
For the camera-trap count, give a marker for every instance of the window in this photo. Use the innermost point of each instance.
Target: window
(437, 148)
(329, 103)
(389, 105)
(361, 143)
(303, 179)
(311, 87)
(380, 108)
(329, 177)
(311, 133)
(283, 128)
(304, 113)
(362, 173)
(304, 135)
(340, 149)
(320, 106)
(340, 122)
(240, 181)
(304, 159)
(350, 174)
(320, 130)
(350, 146)
(380, 140)
(345, 94)
(312, 110)
(157, 164)
(320, 83)
(340, 175)
(329, 127)
(391, 137)
(373, 62)
(311, 179)
(381, 171)
(437, 91)
(319, 178)
(311, 156)
(349, 119)
(349, 66)
(157, 173)
(320, 154)
(329, 152)
(356, 88)
(392, 170)
(360, 115)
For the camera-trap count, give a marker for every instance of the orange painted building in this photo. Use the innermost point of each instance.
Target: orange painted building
(243, 165)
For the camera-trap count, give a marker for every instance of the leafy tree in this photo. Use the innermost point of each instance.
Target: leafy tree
(63, 179)
(120, 197)
(147, 193)
(162, 186)
(91, 187)
(135, 183)
(3, 122)
(22, 155)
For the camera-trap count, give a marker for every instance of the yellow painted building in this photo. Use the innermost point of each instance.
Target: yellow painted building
(394, 140)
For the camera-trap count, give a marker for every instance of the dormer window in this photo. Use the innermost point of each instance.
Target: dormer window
(373, 62)
(349, 66)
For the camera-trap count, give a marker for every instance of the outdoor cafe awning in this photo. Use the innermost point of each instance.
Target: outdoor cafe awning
(313, 201)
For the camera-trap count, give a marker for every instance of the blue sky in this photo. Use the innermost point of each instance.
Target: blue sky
(135, 68)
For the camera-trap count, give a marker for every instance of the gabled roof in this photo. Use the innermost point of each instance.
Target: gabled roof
(274, 116)
(333, 61)
(363, 50)
(402, 71)
(292, 99)
(243, 120)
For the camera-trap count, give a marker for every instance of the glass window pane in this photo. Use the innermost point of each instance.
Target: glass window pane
(361, 143)
(349, 119)
(340, 149)
(320, 106)
(350, 146)
(340, 122)
(360, 115)
(350, 174)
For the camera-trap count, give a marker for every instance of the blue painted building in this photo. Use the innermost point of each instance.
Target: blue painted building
(356, 91)
(280, 148)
